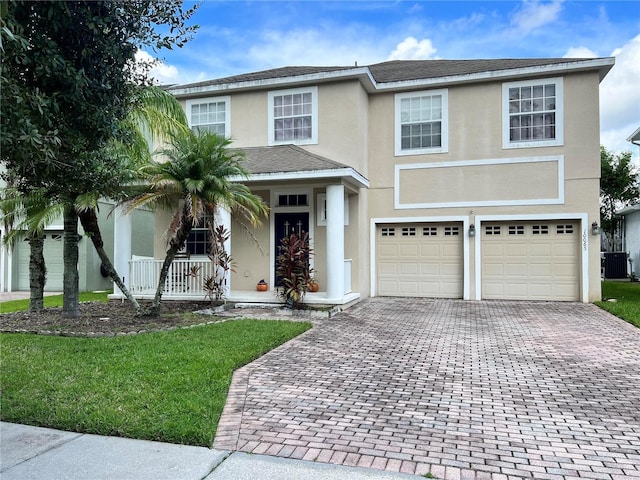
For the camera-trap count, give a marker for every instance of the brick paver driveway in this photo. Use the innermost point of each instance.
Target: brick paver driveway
(460, 389)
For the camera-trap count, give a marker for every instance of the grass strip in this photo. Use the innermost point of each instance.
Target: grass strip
(627, 304)
(51, 301)
(165, 386)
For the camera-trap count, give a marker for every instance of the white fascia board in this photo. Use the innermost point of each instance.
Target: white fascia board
(512, 73)
(635, 137)
(360, 72)
(629, 209)
(348, 173)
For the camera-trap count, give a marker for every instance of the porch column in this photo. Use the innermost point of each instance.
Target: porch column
(335, 242)
(121, 247)
(223, 217)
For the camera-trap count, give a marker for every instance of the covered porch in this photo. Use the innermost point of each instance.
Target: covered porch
(305, 192)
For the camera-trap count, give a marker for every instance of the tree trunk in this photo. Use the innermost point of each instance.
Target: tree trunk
(70, 283)
(181, 236)
(37, 273)
(89, 222)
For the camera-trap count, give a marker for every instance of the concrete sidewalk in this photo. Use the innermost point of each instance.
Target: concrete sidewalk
(45, 454)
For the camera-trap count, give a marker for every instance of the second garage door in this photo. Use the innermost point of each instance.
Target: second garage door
(420, 260)
(530, 260)
(53, 259)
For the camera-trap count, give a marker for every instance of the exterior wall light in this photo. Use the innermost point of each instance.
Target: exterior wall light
(472, 230)
(595, 229)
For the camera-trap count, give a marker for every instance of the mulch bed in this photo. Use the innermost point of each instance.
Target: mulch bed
(110, 318)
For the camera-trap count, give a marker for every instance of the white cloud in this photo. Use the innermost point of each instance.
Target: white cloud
(535, 14)
(580, 52)
(328, 46)
(161, 72)
(411, 49)
(620, 99)
(165, 74)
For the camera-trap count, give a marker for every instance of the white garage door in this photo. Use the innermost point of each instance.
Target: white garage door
(420, 260)
(530, 260)
(53, 260)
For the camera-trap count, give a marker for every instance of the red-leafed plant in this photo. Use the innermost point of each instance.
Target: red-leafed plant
(293, 268)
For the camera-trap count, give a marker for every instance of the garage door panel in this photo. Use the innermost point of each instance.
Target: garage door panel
(429, 270)
(540, 266)
(515, 270)
(451, 251)
(387, 269)
(409, 288)
(536, 250)
(408, 269)
(426, 265)
(564, 250)
(387, 251)
(541, 270)
(408, 251)
(493, 250)
(515, 250)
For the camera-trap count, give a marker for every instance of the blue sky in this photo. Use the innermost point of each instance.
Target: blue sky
(245, 36)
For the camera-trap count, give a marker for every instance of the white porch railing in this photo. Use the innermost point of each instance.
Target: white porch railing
(185, 277)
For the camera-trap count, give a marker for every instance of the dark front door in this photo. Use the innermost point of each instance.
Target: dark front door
(287, 224)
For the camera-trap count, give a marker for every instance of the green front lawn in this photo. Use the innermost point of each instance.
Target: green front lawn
(166, 386)
(627, 304)
(51, 301)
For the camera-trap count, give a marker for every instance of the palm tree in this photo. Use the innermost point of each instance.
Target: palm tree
(26, 216)
(194, 180)
(155, 115)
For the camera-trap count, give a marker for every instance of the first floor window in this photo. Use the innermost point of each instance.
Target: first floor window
(199, 240)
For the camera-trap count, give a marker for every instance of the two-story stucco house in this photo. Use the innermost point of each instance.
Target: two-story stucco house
(471, 179)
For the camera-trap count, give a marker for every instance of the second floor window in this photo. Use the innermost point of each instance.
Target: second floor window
(293, 116)
(532, 113)
(211, 114)
(421, 122)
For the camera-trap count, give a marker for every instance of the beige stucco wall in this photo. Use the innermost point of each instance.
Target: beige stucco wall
(360, 133)
(250, 250)
(475, 119)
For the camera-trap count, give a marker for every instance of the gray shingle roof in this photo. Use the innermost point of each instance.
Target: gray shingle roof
(286, 158)
(399, 70)
(396, 70)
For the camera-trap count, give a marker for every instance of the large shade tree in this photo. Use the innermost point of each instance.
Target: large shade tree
(68, 68)
(194, 177)
(155, 114)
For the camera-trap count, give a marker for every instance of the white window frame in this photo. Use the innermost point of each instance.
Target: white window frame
(227, 111)
(314, 116)
(321, 213)
(559, 111)
(444, 123)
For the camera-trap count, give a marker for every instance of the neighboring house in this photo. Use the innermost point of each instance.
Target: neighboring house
(472, 179)
(14, 263)
(630, 227)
